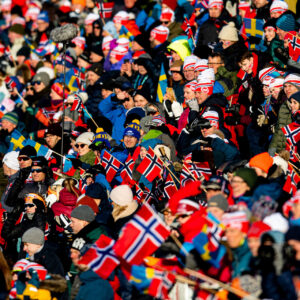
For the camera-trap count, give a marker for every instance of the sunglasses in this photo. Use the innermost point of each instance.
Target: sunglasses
(182, 216)
(80, 146)
(175, 72)
(29, 205)
(125, 100)
(36, 170)
(165, 22)
(24, 158)
(37, 82)
(29, 89)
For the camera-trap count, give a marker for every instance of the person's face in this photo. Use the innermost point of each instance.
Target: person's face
(214, 12)
(239, 186)
(289, 89)
(253, 244)
(92, 77)
(143, 152)
(234, 237)
(216, 212)
(75, 256)
(82, 64)
(183, 219)
(296, 246)
(165, 22)
(168, 217)
(24, 161)
(41, 25)
(215, 63)
(260, 172)
(296, 210)
(31, 249)
(82, 149)
(38, 86)
(136, 46)
(201, 97)
(266, 90)
(129, 3)
(77, 224)
(38, 174)
(176, 75)
(260, 3)
(54, 95)
(275, 92)
(207, 131)
(139, 101)
(105, 93)
(30, 208)
(52, 140)
(95, 57)
(294, 105)
(130, 141)
(247, 65)
(142, 70)
(188, 94)
(281, 33)
(8, 125)
(189, 74)
(128, 103)
(88, 28)
(226, 44)
(275, 14)
(175, 56)
(269, 34)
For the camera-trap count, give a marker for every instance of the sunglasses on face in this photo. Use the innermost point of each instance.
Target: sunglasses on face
(24, 158)
(165, 22)
(175, 72)
(29, 89)
(36, 170)
(125, 100)
(37, 82)
(29, 205)
(80, 146)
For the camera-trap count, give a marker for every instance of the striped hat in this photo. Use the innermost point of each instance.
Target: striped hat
(190, 62)
(201, 64)
(25, 265)
(106, 42)
(267, 80)
(213, 118)
(90, 18)
(206, 81)
(279, 6)
(167, 14)
(121, 17)
(118, 53)
(32, 13)
(276, 83)
(237, 219)
(12, 117)
(79, 41)
(187, 207)
(191, 85)
(59, 90)
(215, 3)
(293, 79)
(123, 42)
(243, 5)
(160, 33)
(18, 20)
(101, 137)
(270, 71)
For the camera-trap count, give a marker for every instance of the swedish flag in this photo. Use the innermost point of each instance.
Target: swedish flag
(41, 150)
(162, 85)
(141, 277)
(17, 141)
(125, 33)
(254, 28)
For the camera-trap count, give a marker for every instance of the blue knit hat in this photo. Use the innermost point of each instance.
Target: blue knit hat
(286, 23)
(43, 16)
(133, 129)
(12, 117)
(101, 137)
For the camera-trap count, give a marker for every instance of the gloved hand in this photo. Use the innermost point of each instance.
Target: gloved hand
(96, 169)
(282, 54)
(193, 104)
(77, 163)
(168, 108)
(63, 221)
(31, 110)
(24, 173)
(254, 40)
(177, 109)
(3, 133)
(232, 120)
(260, 120)
(50, 200)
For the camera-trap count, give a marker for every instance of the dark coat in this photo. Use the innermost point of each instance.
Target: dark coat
(94, 97)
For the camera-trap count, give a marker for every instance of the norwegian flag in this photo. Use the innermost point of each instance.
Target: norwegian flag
(198, 170)
(77, 104)
(170, 187)
(138, 194)
(126, 173)
(291, 182)
(141, 236)
(8, 53)
(148, 196)
(43, 41)
(292, 133)
(101, 257)
(105, 9)
(150, 166)
(82, 182)
(111, 165)
(161, 284)
(80, 79)
(10, 84)
(187, 28)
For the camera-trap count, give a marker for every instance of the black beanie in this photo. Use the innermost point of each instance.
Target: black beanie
(145, 93)
(293, 233)
(140, 39)
(28, 151)
(39, 161)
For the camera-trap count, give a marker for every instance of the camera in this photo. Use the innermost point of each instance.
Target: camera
(233, 109)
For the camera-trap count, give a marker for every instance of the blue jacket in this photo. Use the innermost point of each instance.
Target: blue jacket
(241, 259)
(93, 287)
(116, 113)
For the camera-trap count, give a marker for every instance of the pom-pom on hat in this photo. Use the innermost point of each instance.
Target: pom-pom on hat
(160, 33)
(229, 33)
(167, 14)
(118, 53)
(261, 161)
(133, 129)
(101, 137)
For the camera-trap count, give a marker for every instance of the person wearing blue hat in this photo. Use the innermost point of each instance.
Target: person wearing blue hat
(43, 27)
(285, 24)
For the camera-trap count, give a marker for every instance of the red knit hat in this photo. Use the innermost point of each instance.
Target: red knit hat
(262, 161)
(86, 200)
(237, 219)
(58, 89)
(170, 3)
(167, 14)
(257, 229)
(118, 53)
(187, 207)
(160, 33)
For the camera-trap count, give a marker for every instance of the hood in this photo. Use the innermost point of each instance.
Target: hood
(181, 47)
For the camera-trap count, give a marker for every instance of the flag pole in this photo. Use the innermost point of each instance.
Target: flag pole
(90, 116)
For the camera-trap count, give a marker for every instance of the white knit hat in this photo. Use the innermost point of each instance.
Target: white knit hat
(215, 3)
(229, 33)
(10, 159)
(276, 82)
(189, 62)
(279, 6)
(90, 18)
(123, 42)
(122, 195)
(85, 138)
(277, 222)
(293, 79)
(201, 64)
(106, 42)
(121, 17)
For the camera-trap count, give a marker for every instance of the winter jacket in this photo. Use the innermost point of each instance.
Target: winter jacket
(227, 79)
(10, 183)
(88, 159)
(174, 31)
(241, 259)
(275, 43)
(94, 287)
(278, 140)
(94, 98)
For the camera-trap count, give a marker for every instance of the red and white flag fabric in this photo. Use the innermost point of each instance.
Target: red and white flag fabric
(169, 187)
(101, 257)
(192, 171)
(141, 236)
(126, 173)
(292, 134)
(291, 182)
(77, 104)
(105, 9)
(111, 165)
(151, 166)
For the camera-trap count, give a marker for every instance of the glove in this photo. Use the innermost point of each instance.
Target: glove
(254, 40)
(50, 200)
(260, 120)
(77, 163)
(3, 133)
(96, 169)
(177, 109)
(282, 54)
(232, 120)
(193, 104)
(31, 111)
(63, 221)
(168, 108)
